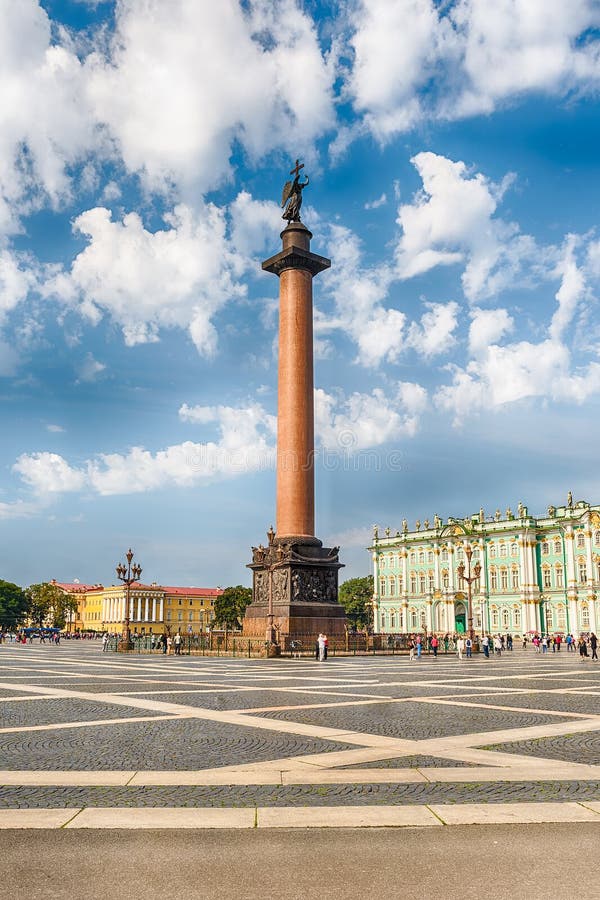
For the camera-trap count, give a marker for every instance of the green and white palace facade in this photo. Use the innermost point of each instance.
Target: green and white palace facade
(536, 574)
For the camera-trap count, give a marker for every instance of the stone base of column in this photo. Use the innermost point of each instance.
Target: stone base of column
(124, 646)
(300, 577)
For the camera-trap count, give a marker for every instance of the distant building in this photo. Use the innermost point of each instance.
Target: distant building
(152, 607)
(537, 574)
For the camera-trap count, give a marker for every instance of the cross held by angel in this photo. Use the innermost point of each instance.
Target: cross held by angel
(291, 197)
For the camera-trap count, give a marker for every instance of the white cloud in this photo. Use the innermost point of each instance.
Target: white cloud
(187, 79)
(145, 281)
(55, 429)
(361, 421)
(570, 293)
(375, 204)
(9, 360)
(416, 60)
(434, 334)
(48, 473)
(17, 278)
(90, 368)
(487, 327)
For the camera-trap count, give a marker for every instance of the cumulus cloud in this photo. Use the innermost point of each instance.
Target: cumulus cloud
(434, 334)
(415, 60)
(90, 368)
(361, 421)
(185, 80)
(175, 277)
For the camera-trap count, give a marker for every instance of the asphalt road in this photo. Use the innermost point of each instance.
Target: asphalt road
(510, 861)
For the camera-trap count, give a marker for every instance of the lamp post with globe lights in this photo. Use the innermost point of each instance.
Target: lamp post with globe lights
(469, 577)
(128, 575)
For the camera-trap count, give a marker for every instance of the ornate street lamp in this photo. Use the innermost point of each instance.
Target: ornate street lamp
(469, 578)
(128, 575)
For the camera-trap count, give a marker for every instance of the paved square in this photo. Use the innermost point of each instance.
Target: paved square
(84, 729)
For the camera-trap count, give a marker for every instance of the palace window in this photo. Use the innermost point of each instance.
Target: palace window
(430, 556)
(168, 615)
(421, 557)
(504, 578)
(492, 551)
(517, 616)
(514, 549)
(546, 577)
(444, 555)
(557, 546)
(597, 538)
(505, 618)
(549, 618)
(515, 579)
(421, 583)
(191, 616)
(445, 579)
(585, 617)
(495, 618)
(180, 616)
(582, 567)
(413, 558)
(493, 580)
(392, 620)
(580, 540)
(545, 548)
(382, 621)
(561, 617)
(423, 620)
(382, 587)
(413, 618)
(558, 572)
(503, 550)
(460, 554)
(401, 620)
(431, 583)
(392, 586)
(399, 584)
(413, 583)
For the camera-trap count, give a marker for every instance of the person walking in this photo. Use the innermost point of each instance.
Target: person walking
(105, 642)
(498, 645)
(582, 647)
(460, 646)
(594, 645)
(469, 647)
(321, 645)
(411, 650)
(419, 646)
(434, 646)
(485, 643)
(177, 643)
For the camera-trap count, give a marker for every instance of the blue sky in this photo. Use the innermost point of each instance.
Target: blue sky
(453, 155)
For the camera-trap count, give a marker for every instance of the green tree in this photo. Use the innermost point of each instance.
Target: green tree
(46, 602)
(231, 606)
(355, 596)
(13, 605)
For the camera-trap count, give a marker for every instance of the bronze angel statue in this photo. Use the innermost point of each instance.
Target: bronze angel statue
(292, 195)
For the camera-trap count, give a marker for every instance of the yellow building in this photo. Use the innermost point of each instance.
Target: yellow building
(153, 608)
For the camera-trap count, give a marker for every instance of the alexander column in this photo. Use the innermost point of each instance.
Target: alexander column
(295, 582)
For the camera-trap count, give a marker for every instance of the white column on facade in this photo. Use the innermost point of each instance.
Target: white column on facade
(112, 609)
(154, 609)
(571, 580)
(590, 577)
(451, 579)
(429, 612)
(376, 596)
(161, 614)
(437, 580)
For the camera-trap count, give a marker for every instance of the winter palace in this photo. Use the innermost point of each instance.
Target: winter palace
(526, 574)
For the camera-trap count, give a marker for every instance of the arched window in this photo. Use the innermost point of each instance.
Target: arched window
(413, 558)
(585, 617)
(382, 587)
(392, 586)
(413, 619)
(515, 578)
(413, 583)
(445, 555)
(545, 548)
(504, 578)
(431, 583)
(503, 549)
(421, 557)
(561, 617)
(517, 616)
(546, 577)
(460, 554)
(549, 618)
(505, 618)
(558, 574)
(557, 545)
(400, 584)
(382, 562)
(430, 556)
(514, 549)
(422, 583)
(392, 619)
(382, 621)
(445, 579)
(580, 540)
(401, 620)
(492, 551)
(495, 617)
(582, 569)
(493, 579)
(423, 619)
